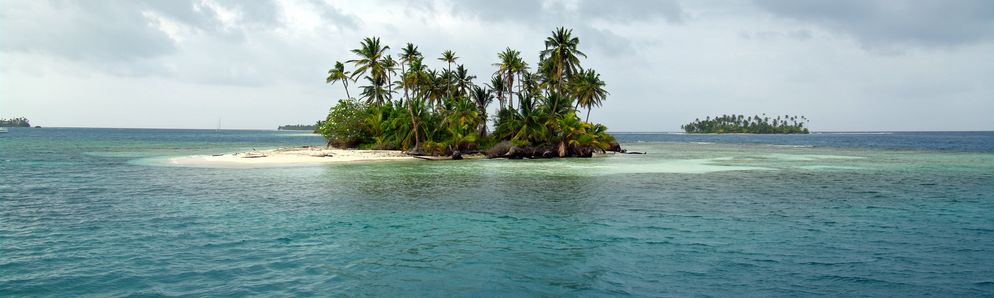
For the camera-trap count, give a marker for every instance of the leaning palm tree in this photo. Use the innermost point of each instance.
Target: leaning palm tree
(449, 57)
(561, 52)
(338, 73)
(412, 80)
(588, 88)
(408, 54)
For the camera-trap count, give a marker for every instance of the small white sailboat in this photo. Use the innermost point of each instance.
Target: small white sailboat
(3, 129)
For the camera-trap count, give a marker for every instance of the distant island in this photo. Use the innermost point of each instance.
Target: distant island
(406, 105)
(15, 122)
(743, 124)
(297, 127)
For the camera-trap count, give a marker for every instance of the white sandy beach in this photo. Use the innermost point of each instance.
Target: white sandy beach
(288, 157)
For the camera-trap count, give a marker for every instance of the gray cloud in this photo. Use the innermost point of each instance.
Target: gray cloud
(537, 11)
(632, 10)
(580, 16)
(102, 31)
(880, 23)
(498, 11)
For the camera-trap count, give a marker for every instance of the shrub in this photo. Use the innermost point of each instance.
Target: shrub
(346, 126)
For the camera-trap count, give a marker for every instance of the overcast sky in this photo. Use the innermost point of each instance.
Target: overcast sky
(846, 65)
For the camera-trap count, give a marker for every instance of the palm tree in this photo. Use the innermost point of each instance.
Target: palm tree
(371, 55)
(449, 57)
(530, 85)
(407, 55)
(412, 80)
(588, 88)
(390, 66)
(463, 80)
(338, 73)
(530, 124)
(374, 93)
(497, 85)
(561, 51)
(432, 87)
(482, 97)
(509, 64)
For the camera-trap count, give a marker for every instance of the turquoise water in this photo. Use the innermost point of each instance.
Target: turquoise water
(95, 212)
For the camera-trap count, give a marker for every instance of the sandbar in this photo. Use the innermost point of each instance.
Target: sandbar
(296, 156)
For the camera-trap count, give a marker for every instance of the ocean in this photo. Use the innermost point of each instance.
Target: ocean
(101, 212)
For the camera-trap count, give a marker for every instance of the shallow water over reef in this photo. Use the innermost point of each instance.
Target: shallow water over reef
(88, 212)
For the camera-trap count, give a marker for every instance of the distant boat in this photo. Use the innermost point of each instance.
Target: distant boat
(3, 129)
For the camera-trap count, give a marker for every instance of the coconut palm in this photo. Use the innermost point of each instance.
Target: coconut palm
(463, 80)
(482, 97)
(530, 84)
(497, 85)
(338, 73)
(390, 66)
(562, 53)
(412, 79)
(374, 93)
(509, 64)
(370, 54)
(407, 55)
(530, 124)
(449, 57)
(433, 87)
(588, 89)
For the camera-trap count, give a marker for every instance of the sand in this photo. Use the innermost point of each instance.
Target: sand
(297, 156)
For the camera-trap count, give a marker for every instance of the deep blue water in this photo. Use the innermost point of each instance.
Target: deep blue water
(94, 212)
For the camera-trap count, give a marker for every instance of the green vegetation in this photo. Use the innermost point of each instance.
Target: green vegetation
(299, 127)
(742, 124)
(15, 122)
(428, 111)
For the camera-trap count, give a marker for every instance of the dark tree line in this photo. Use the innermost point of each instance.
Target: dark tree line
(297, 127)
(15, 122)
(785, 124)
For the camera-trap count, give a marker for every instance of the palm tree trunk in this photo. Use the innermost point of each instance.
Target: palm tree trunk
(588, 114)
(414, 126)
(555, 104)
(520, 83)
(510, 90)
(402, 72)
(483, 126)
(346, 84)
(414, 122)
(389, 87)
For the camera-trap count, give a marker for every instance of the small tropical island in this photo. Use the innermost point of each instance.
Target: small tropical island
(743, 124)
(299, 127)
(15, 122)
(403, 104)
